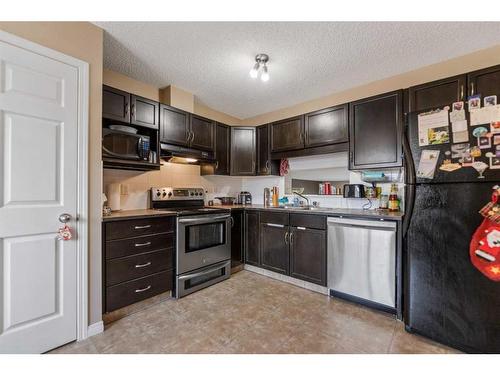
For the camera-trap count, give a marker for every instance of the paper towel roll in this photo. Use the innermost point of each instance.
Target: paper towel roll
(114, 196)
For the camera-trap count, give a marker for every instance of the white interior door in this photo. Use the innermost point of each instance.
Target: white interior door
(38, 182)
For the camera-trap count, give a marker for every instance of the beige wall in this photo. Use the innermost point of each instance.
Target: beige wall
(477, 60)
(83, 41)
(122, 82)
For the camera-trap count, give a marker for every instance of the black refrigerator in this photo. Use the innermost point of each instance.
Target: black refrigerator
(446, 298)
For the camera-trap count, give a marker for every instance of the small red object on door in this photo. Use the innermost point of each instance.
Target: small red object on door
(64, 233)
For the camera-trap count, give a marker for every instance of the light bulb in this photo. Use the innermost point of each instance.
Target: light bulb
(265, 75)
(255, 71)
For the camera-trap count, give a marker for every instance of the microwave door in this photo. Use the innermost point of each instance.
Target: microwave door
(122, 146)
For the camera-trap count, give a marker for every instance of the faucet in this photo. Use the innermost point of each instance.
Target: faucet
(302, 196)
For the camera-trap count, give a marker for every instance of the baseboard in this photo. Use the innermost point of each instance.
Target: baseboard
(95, 329)
(287, 279)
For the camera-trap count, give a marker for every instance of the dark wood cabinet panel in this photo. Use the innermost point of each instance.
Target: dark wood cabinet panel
(252, 238)
(485, 82)
(174, 126)
(275, 253)
(375, 130)
(144, 112)
(437, 94)
(115, 104)
(202, 133)
(274, 217)
(236, 238)
(139, 227)
(222, 151)
(287, 134)
(136, 245)
(308, 221)
(243, 153)
(265, 165)
(308, 255)
(327, 126)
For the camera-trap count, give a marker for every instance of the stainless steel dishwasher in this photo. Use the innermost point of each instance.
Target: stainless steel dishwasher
(362, 261)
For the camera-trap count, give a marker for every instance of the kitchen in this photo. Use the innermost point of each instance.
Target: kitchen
(345, 224)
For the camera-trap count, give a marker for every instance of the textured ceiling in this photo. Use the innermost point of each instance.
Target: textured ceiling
(307, 60)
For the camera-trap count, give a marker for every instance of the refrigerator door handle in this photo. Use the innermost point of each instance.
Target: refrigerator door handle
(410, 179)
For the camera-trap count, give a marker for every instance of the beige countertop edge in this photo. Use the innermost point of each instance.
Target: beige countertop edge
(136, 214)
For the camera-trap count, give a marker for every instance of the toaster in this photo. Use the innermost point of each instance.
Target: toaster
(244, 197)
(354, 191)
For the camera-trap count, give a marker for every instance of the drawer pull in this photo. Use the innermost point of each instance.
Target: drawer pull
(142, 226)
(143, 244)
(143, 265)
(143, 289)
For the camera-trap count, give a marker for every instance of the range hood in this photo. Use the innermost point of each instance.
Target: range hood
(184, 155)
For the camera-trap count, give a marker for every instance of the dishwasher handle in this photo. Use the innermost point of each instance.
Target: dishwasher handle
(365, 224)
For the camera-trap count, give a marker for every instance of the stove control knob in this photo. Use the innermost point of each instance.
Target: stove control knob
(164, 194)
(192, 193)
(169, 194)
(158, 193)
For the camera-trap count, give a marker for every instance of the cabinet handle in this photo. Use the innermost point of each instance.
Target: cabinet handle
(462, 92)
(350, 156)
(126, 108)
(142, 226)
(143, 244)
(143, 289)
(132, 110)
(216, 165)
(253, 166)
(142, 265)
(286, 237)
(291, 238)
(192, 137)
(268, 166)
(471, 88)
(232, 221)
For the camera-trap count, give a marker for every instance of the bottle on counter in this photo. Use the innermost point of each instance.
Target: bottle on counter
(393, 199)
(267, 197)
(275, 192)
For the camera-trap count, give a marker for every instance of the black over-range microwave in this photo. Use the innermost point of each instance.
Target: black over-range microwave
(125, 145)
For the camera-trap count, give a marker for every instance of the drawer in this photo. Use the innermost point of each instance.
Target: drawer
(274, 217)
(308, 221)
(132, 267)
(137, 245)
(136, 290)
(139, 227)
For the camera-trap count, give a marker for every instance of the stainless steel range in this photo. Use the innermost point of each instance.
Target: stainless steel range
(203, 255)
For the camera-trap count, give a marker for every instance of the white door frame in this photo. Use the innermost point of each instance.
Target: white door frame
(82, 217)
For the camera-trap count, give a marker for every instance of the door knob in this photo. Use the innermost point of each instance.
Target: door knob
(64, 218)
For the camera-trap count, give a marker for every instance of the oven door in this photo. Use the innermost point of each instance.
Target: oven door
(202, 240)
(122, 145)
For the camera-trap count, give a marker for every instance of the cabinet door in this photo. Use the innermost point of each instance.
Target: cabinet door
(144, 112)
(174, 126)
(265, 165)
(252, 243)
(485, 82)
(236, 238)
(287, 134)
(222, 136)
(115, 104)
(375, 127)
(325, 127)
(202, 133)
(308, 255)
(274, 248)
(437, 94)
(243, 151)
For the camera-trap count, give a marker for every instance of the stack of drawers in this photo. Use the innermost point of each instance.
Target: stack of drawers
(138, 260)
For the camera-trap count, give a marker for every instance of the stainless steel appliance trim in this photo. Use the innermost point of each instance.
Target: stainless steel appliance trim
(391, 225)
(203, 219)
(179, 282)
(201, 273)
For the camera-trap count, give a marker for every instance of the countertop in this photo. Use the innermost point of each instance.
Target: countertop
(374, 214)
(136, 214)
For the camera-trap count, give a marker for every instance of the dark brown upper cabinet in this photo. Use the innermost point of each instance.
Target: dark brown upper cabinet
(115, 104)
(243, 153)
(265, 166)
(375, 130)
(144, 112)
(222, 152)
(327, 126)
(202, 133)
(485, 82)
(174, 126)
(287, 134)
(437, 94)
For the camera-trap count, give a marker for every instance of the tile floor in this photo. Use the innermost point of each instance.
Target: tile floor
(251, 313)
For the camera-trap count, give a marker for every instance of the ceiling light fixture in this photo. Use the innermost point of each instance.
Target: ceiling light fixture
(261, 61)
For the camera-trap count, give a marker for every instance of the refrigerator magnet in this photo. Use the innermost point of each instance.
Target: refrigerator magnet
(448, 166)
(474, 102)
(495, 127)
(484, 142)
(459, 150)
(490, 101)
(457, 106)
(494, 160)
(427, 164)
(460, 137)
(496, 140)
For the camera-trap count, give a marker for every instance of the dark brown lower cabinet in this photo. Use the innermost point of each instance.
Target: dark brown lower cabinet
(275, 253)
(236, 238)
(252, 252)
(308, 255)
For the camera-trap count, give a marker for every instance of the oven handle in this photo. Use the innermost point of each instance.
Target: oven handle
(204, 220)
(201, 273)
